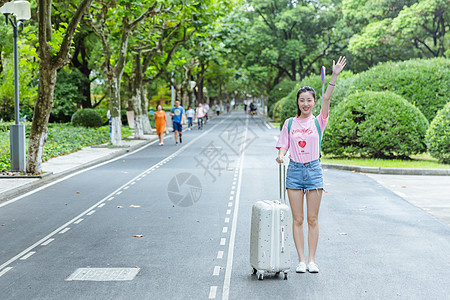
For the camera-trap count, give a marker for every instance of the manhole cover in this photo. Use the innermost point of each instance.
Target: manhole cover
(104, 274)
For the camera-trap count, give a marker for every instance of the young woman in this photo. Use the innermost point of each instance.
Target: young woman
(160, 123)
(201, 113)
(304, 174)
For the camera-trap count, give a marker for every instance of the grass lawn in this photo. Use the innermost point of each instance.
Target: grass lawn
(62, 139)
(422, 161)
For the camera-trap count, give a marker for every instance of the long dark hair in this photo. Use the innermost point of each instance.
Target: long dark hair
(304, 89)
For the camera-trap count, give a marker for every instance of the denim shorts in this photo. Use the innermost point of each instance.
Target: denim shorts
(305, 177)
(177, 126)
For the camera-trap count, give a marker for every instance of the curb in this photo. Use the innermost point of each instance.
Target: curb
(8, 195)
(391, 171)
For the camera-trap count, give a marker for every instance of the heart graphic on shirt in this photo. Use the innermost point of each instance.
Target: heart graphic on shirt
(302, 144)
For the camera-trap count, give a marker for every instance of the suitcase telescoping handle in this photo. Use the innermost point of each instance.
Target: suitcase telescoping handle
(282, 177)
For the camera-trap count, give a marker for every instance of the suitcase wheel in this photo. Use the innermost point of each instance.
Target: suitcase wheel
(260, 275)
(254, 271)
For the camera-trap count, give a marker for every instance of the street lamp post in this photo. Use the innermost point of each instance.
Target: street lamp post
(192, 84)
(16, 13)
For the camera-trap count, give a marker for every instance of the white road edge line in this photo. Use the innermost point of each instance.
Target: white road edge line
(2, 266)
(229, 267)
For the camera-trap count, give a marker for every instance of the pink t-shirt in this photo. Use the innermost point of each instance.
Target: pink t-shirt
(303, 140)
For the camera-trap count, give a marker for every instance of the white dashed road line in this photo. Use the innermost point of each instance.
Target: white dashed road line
(65, 230)
(47, 242)
(4, 271)
(27, 255)
(216, 271)
(212, 292)
(229, 266)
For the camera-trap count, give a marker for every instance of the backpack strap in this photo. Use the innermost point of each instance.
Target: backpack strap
(320, 135)
(289, 128)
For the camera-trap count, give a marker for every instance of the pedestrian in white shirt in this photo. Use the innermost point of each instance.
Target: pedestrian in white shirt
(190, 116)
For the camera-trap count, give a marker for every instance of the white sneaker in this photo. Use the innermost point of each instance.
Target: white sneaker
(313, 268)
(301, 267)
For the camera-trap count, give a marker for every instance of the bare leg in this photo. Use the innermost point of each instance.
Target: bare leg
(176, 136)
(313, 199)
(296, 201)
(161, 137)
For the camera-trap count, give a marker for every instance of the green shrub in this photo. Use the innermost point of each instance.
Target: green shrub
(87, 117)
(377, 125)
(276, 110)
(422, 82)
(278, 92)
(103, 111)
(438, 135)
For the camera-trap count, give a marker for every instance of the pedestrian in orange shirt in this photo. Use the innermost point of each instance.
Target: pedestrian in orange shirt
(160, 123)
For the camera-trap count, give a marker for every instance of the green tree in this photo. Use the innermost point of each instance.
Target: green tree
(114, 22)
(53, 52)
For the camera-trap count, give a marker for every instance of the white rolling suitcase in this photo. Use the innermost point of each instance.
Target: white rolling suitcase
(269, 238)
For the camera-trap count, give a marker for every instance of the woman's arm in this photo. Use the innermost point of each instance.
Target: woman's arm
(337, 68)
(281, 153)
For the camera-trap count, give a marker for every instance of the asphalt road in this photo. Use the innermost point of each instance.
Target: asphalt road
(178, 218)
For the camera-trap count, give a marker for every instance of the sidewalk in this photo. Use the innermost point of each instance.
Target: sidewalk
(70, 163)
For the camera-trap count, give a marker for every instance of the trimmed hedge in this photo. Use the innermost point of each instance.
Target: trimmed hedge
(87, 117)
(377, 125)
(422, 82)
(438, 136)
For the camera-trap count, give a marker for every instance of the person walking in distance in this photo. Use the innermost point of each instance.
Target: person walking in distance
(302, 135)
(160, 123)
(206, 107)
(217, 109)
(190, 116)
(200, 111)
(177, 114)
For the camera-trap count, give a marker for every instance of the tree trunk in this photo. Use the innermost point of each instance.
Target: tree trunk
(146, 126)
(42, 109)
(116, 133)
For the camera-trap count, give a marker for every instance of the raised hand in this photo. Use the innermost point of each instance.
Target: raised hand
(339, 66)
